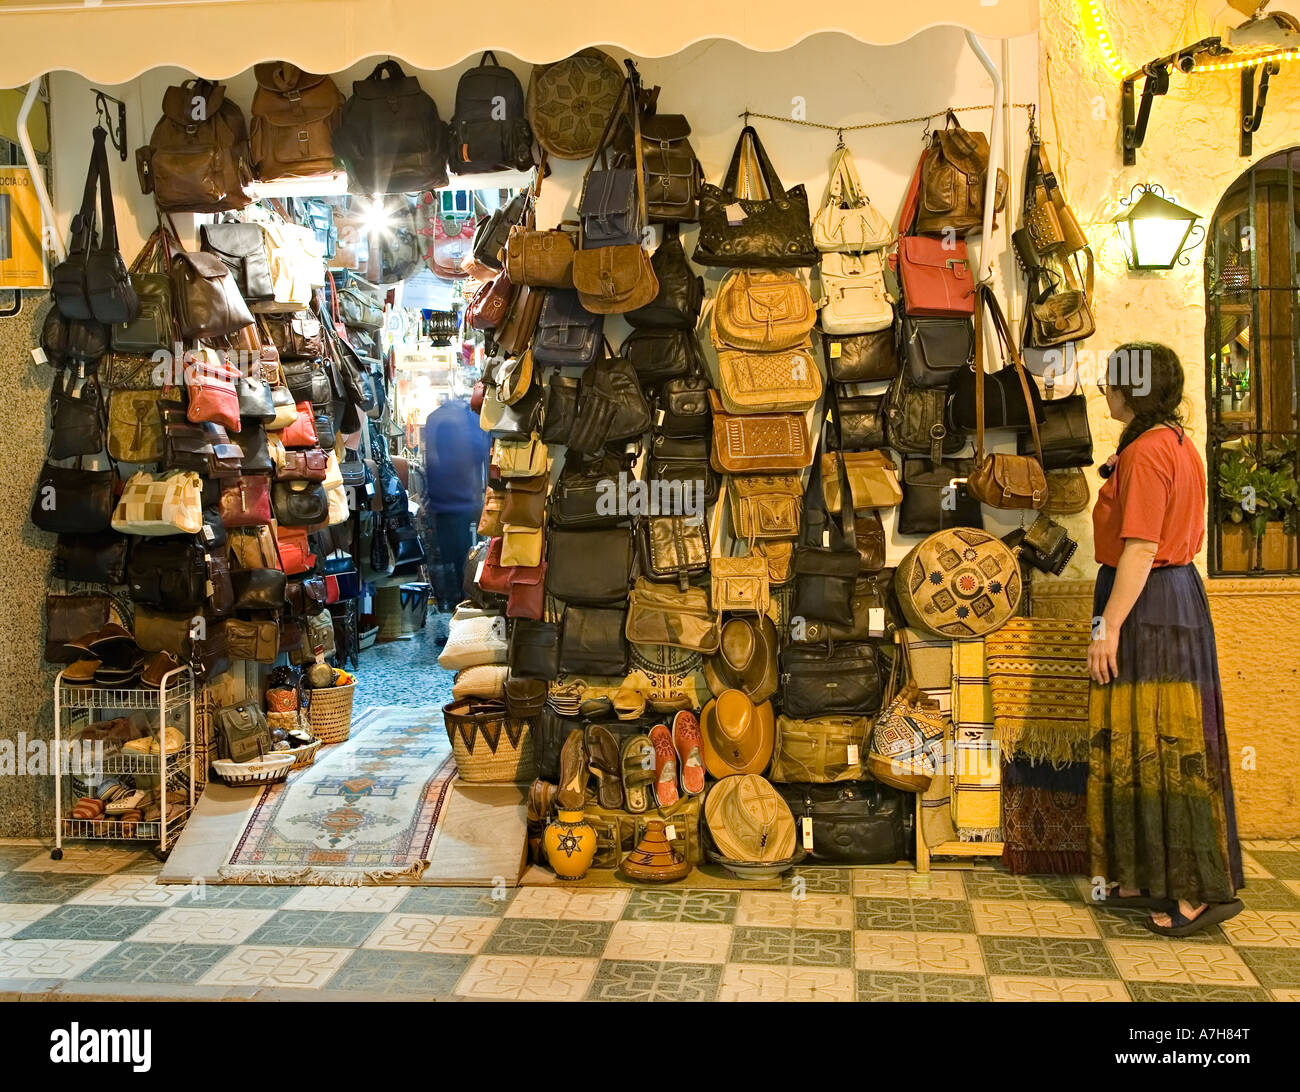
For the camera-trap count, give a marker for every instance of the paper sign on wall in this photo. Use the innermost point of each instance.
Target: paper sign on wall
(22, 252)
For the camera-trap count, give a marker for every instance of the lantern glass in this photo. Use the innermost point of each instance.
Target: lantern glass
(1153, 232)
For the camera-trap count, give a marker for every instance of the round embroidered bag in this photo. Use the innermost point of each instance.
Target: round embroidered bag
(959, 583)
(570, 101)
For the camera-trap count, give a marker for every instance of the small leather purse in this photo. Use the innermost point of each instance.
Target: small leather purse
(740, 584)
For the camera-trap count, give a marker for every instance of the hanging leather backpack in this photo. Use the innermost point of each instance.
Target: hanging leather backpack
(952, 181)
(294, 116)
(489, 129)
(673, 175)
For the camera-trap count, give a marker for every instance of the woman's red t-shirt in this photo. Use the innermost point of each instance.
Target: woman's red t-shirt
(1156, 493)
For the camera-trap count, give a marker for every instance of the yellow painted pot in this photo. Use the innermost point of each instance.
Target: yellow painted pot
(570, 844)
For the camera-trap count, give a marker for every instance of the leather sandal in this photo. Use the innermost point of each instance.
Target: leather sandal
(1180, 926)
(688, 744)
(666, 794)
(572, 793)
(638, 773)
(603, 764)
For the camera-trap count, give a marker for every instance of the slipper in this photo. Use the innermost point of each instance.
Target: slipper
(1186, 927)
(666, 794)
(688, 744)
(573, 772)
(83, 671)
(603, 764)
(1141, 901)
(638, 761)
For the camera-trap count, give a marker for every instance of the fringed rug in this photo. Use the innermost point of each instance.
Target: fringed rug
(367, 813)
(977, 766)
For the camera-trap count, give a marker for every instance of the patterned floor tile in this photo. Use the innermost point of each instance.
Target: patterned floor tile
(127, 888)
(677, 942)
(897, 883)
(304, 929)
(50, 958)
(11, 856)
(1252, 868)
(1046, 957)
(893, 986)
(1162, 960)
(1005, 917)
(630, 980)
(1271, 895)
(792, 947)
(742, 982)
(42, 887)
(478, 901)
(527, 978)
(1184, 991)
(1286, 995)
(16, 916)
(1277, 845)
(819, 881)
(1284, 865)
(83, 860)
(1276, 968)
(703, 907)
(548, 937)
(1000, 885)
(400, 973)
(1276, 929)
(275, 967)
(236, 896)
(381, 900)
(421, 933)
(89, 923)
(1127, 925)
(780, 910)
(571, 904)
(160, 963)
(1008, 988)
(928, 953)
(915, 915)
(196, 925)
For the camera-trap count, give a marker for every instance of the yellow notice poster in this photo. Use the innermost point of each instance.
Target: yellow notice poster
(22, 254)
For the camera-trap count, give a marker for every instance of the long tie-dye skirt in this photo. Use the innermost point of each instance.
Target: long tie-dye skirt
(1160, 807)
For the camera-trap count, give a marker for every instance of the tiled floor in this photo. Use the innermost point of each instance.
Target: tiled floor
(95, 924)
(406, 672)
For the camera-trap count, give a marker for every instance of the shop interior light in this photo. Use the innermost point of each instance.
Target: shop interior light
(376, 218)
(1153, 231)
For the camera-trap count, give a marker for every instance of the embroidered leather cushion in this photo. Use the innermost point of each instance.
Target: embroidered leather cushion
(959, 583)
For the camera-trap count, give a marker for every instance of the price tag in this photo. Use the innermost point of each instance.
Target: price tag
(876, 621)
(807, 833)
(659, 417)
(853, 754)
(736, 215)
(670, 832)
(209, 535)
(209, 588)
(479, 571)
(826, 539)
(837, 350)
(370, 489)
(38, 355)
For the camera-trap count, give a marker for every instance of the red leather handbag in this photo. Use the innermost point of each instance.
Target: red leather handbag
(302, 433)
(527, 598)
(295, 553)
(491, 303)
(934, 272)
(495, 577)
(246, 501)
(210, 390)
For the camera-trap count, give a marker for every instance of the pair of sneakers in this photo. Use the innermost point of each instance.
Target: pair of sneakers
(678, 759)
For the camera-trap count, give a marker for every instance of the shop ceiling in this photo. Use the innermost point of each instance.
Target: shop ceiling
(114, 41)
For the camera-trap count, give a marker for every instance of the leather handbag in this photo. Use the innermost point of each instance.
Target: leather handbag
(915, 422)
(516, 330)
(534, 650)
(492, 233)
(739, 584)
(168, 573)
(525, 502)
(765, 506)
(762, 382)
(72, 499)
(246, 501)
(307, 381)
(153, 328)
(658, 355)
(682, 408)
(519, 458)
(775, 230)
(765, 310)
(935, 497)
(199, 447)
(259, 589)
(489, 521)
(959, 583)
(254, 548)
(820, 749)
(952, 180)
(836, 678)
(560, 408)
(286, 409)
(255, 401)
(826, 561)
(863, 358)
(589, 567)
(673, 548)
(206, 300)
(569, 100)
(757, 443)
(160, 504)
(875, 613)
(673, 175)
(934, 274)
(72, 342)
(296, 335)
(611, 407)
(567, 333)
(522, 547)
(1002, 480)
(527, 595)
(210, 391)
(76, 417)
(579, 497)
(861, 422)
(872, 478)
(300, 503)
(242, 247)
(659, 614)
(1065, 435)
(854, 297)
(511, 420)
(592, 641)
(679, 467)
(310, 465)
(936, 349)
(92, 559)
(540, 259)
(487, 310)
(869, 537)
(248, 640)
(293, 549)
(681, 290)
(70, 618)
(852, 822)
(302, 433)
(847, 220)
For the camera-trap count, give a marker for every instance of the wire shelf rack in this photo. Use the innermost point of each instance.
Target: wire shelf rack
(136, 697)
(125, 830)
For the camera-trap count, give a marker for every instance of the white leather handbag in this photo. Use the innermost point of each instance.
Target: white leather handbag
(475, 641)
(854, 298)
(848, 221)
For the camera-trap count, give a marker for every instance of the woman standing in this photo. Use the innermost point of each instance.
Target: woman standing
(1162, 826)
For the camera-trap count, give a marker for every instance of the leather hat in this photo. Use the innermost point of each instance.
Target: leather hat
(746, 658)
(738, 735)
(749, 821)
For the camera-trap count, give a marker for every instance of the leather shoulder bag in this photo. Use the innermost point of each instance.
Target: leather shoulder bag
(826, 561)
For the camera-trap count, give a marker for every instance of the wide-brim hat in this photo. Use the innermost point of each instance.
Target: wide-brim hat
(749, 821)
(738, 735)
(746, 659)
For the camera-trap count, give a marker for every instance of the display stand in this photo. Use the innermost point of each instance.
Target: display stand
(74, 703)
(952, 848)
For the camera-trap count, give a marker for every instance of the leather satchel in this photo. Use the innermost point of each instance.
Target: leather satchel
(935, 498)
(863, 358)
(757, 443)
(673, 548)
(567, 333)
(539, 259)
(524, 504)
(579, 498)
(658, 355)
(534, 650)
(681, 290)
(589, 567)
(820, 749)
(952, 181)
(259, 589)
(167, 573)
(825, 564)
(1064, 433)
(934, 274)
(72, 499)
(242, 247)
(916, 424)
(872, 478)
(310, 465)
(683, 408)
(875, 613)
(861, 423)
(243, 734)
(659, 614)
(936, 349)
(296, 335)
(70, 618)
(853, 822)
(592, 642)
(612, 280)
(765, 506)
(838, 678)
(93, 559)
(204, 294)
(739, 584)
(774, 229)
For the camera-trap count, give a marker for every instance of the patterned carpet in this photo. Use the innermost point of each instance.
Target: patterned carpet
(95, 924)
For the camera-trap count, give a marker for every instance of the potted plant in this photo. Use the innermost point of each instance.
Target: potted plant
(1262, 498)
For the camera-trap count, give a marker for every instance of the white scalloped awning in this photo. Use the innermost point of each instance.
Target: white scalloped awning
(113, 41)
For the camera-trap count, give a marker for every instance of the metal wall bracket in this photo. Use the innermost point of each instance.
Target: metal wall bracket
(1252, 102)
(1156, 82)
(116, 134)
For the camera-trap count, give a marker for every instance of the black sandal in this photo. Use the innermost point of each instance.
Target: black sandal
(1181, 926)
(1143, 900)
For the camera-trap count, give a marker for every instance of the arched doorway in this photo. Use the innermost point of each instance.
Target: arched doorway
(1252, 352)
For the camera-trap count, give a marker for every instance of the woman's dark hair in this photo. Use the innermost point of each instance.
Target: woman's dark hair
(1149, 377)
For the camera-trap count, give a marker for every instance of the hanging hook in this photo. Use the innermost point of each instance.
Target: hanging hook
(116, 134)
(1033, 123)
(839, 138)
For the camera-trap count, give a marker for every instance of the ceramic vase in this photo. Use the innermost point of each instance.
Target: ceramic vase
(570, 844)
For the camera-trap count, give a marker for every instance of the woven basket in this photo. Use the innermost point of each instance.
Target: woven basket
(330, 713)
(490, 747)
(264, 771)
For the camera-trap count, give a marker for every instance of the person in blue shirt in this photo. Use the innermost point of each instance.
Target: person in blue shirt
(455, 473)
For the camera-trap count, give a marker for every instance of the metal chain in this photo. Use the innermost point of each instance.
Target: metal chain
(842, 129)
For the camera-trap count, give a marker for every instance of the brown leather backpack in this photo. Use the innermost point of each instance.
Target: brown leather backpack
(197, 159)
(952, 181)
(294, 115)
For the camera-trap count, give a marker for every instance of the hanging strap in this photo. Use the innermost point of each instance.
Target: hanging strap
(912, 202)
(83, 223)
(627, 99)
(108, 215)
(765, 169)
(1008, 349)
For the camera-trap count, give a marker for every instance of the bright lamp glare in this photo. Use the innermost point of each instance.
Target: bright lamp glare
(1157, 241)
(376, 217)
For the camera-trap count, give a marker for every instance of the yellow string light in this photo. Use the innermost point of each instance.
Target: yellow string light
(1096, 25)
(1249, 62)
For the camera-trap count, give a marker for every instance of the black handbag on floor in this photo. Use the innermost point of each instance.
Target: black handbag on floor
(854, 822)
(837, 678)
(592, 641)
(1064, 432)
(826, 561)
(928, 505)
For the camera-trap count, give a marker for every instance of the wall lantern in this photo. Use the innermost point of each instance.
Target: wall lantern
(1154, 231)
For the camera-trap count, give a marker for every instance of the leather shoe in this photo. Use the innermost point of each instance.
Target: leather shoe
(603, 763)
(688, 743)
(666, 794)
(572, 794)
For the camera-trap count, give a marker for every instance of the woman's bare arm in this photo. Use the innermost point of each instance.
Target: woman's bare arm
(1130, 578)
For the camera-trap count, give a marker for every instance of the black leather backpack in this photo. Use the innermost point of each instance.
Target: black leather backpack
(490, 130)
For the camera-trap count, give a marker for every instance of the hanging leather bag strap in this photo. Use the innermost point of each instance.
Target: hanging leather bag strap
(765, 169)
(626, 101)
(1009, 351)
(912, 202)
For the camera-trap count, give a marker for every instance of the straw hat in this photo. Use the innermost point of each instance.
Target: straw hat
(738, 735)
(654, 860)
